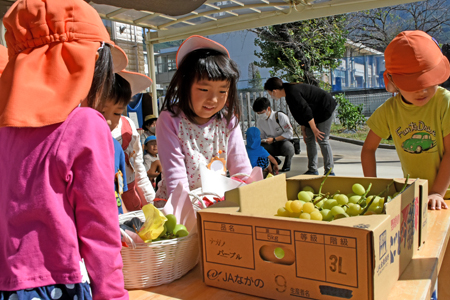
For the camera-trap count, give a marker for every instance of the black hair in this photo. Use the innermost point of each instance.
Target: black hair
(120, 91)
(261, 104)
(273, 83)
(103, 78)
(202, 64)
(149, 122)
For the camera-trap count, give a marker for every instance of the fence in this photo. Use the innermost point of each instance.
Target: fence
(370, 103)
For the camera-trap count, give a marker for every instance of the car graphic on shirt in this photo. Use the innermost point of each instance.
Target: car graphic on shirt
(419, 142)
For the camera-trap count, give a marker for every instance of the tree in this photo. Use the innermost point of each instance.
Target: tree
(255, 80)
(377, 27)
(299, 51)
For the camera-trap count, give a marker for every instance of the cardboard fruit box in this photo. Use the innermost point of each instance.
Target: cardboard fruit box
(245, 248)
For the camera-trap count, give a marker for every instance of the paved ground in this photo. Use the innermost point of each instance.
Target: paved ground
(348, 162)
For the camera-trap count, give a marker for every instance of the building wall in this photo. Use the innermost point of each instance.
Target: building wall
(241, 46)
(130, 39)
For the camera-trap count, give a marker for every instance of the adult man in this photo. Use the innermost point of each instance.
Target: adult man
(276, 130)
(312, 108)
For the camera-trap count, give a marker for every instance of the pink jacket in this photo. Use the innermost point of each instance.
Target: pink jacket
(57, 206)
(176, 136)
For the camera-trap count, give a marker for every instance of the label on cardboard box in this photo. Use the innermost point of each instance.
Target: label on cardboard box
(354, 258)
(249, 255)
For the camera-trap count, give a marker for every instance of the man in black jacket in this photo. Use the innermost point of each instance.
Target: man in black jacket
(312, 108)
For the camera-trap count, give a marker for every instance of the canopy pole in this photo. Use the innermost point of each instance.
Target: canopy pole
(151, 72)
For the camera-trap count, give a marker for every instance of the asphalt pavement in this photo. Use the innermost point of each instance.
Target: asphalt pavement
(347, 161)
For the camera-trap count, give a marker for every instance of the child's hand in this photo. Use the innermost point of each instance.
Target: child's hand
(275, 169)
(435, 201)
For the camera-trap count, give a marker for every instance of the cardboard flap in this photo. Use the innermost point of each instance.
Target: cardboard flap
(263, 197)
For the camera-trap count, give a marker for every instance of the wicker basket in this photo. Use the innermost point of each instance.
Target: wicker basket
(161, 262)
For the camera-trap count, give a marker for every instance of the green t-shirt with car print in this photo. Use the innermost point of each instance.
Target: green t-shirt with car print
(418, 133)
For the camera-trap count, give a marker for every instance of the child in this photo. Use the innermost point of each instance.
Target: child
(151, 159)
(149, 127)
(118, 99)
(418, 117)
(259, 157)
(58, 215)
(140, 191)
(200, 117)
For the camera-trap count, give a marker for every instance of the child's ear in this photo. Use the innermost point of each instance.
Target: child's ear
(391, 88)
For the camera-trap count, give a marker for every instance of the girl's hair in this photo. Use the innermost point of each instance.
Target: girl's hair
(203, 64)
(273, 83)
(120, 91)
(103, 78)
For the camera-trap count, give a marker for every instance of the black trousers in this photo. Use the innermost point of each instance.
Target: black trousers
(281, 148)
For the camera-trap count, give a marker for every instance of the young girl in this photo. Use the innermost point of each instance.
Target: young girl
(58, 214)
(200, 117)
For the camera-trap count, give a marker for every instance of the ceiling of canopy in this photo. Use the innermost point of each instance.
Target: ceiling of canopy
(170, 20)
(213, 17)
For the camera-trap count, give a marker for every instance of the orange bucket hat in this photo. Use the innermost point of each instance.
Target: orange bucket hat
(3, 58)
(52, 46)
(415, 61)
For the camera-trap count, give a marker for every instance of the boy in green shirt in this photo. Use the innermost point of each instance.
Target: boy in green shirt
(418, 116)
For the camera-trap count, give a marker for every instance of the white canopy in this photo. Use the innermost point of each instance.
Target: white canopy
(213, 16)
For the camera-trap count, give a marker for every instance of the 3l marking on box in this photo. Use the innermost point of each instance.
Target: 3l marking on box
(333, 257)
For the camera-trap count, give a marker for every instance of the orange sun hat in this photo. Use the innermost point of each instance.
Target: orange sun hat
(415, 61)
(3, 58)
(52, 46)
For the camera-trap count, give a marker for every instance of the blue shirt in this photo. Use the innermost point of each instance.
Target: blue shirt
(119, 164)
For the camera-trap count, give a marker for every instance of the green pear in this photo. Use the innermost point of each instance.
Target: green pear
(180, 230)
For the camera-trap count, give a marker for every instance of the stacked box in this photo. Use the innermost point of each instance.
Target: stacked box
(245, 248)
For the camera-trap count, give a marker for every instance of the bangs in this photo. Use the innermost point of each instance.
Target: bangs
(213, 65)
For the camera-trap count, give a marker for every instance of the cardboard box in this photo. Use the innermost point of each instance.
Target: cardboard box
(247, 249)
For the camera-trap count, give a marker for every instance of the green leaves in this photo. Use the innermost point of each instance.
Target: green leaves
(349, 114)
(299, 50)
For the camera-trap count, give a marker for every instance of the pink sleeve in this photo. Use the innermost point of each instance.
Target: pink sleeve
(170, 152)
(237, 158)
(86, 154)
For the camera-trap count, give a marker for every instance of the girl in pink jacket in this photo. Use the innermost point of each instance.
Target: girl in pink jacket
(59, 231)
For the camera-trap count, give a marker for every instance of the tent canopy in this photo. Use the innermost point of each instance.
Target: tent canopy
(213, 16)
(170, 20)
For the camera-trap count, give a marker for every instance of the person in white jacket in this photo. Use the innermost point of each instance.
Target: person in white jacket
(138, 183)
(140, 190)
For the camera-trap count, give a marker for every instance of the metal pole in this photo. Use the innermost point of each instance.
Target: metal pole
(151, 72)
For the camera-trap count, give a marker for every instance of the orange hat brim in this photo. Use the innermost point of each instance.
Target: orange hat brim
(425, 79)
(3, 58)
(32, 86)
